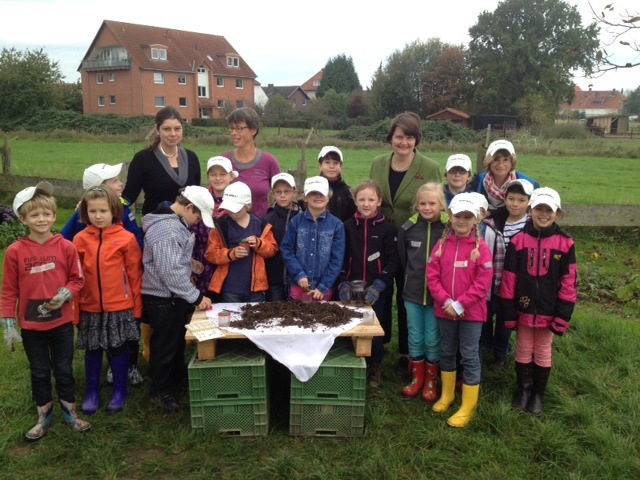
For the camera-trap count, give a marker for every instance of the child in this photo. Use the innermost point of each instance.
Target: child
(416, 240)
(330, 162)
(41, 274)
(168, 297)
(110, 302)
(371, 256)
(539, 293)
(313, 246)
(458, 172)
(504, 223)
(238, 246)
(95, 176)
(283, 190)
(220, 174)
(459, 277)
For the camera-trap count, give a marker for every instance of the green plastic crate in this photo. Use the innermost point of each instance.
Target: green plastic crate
(237, 374)
(326, 419)
(231, 419)
(341, 377)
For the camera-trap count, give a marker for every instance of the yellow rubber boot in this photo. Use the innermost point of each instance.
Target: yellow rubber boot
(146, 332)
(448, 391)
(467, 410)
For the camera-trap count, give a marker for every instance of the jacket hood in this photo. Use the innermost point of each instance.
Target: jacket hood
(154, 218)
(57, 238)
(415, 218)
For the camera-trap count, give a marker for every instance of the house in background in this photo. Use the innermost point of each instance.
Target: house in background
(452, 115)
(296, 96)
(312, 85)
(592, 103)
(134, 69)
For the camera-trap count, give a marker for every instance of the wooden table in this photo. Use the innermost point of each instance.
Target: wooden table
(361, 336)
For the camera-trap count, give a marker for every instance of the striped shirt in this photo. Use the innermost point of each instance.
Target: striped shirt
(511, 228)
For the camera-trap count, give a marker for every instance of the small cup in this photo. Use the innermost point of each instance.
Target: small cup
(367, 317)
(224, 318)
(244, 244)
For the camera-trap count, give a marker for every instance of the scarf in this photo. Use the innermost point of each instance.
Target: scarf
(496, 194)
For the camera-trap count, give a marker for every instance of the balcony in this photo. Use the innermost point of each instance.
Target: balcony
(111, 64)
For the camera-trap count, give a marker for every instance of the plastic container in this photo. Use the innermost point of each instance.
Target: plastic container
(357, 291)
(224, 318)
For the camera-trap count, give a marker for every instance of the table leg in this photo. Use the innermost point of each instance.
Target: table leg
(207, 350)
(362, 346)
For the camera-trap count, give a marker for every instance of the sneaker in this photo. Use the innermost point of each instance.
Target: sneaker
(135, 377)
(166, 402)
(109, 376)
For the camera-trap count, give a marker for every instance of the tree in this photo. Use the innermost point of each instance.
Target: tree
(445, 83)
(29, 82)
(632, 106)
(618, 27)
(528, 48)
(70, 95)
(340, 75)
(278, 111)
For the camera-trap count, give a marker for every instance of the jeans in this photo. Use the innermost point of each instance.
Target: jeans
(403, 347)
(464, 335)
(497, 340)
(424, 332)
(277, 293)
(50, 350)
(231, 297)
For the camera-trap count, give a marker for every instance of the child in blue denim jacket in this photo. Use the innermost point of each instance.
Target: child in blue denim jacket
(313, 246)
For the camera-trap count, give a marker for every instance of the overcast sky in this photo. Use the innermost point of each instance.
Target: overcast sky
(285, 42)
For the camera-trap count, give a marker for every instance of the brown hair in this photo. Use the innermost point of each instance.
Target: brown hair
(502, 152)
(39, 200)
(372, 184)
(167, 113)
(101, 192)
(247, 115)
(410, 124)
(432, 187)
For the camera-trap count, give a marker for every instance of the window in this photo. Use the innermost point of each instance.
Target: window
(160, 102)
(220, 81)
(239, 103)
(233, 62)
(158, 77)
(112, 99)
(220, 103)
(202, 92)
(182, 79)
(201, 69)
(158, 53)
(112, 76)
(182, 101)
(240, 83)
(101, 101)
(316, 83)
(100, 77)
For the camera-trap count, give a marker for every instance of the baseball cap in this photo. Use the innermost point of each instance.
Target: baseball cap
(480, 200)
(23, 196)
(236, 196)
(202, 199)
(464, 202)
(458, 160)
(283, 177)
(545, 196)
(316, 184)
(222, 162)
(526, 185)
(329, 148)
(98, 173)
(500, 145)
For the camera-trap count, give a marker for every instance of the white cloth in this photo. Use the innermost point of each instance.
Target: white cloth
(299, 349)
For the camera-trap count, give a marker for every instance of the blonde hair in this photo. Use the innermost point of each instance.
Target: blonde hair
(39, 200)
(431, 187)
(502, 152)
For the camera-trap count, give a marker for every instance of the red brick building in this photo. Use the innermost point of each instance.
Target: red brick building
(133, 70)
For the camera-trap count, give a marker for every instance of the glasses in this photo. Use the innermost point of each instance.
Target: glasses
(457, 171)
(282, 192)
(237, 129)
(502, 161)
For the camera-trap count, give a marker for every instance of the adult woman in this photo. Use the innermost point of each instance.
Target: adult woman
(163, 168)
(400, 174)
(500, 168)
(255, 167)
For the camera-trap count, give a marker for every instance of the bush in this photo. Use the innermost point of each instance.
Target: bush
(10, 227)
(432, 132)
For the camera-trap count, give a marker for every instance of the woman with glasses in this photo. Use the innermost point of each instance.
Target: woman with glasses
(254, 166)
(500, 169)
(164, 168)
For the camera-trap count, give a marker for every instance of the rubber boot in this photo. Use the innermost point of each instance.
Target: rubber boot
(417, 373)
(45, 419)
(524, 377)
(430, 390)
(540, 378)
(92, 369)
(71, 417)
(120, 367)
(448, 395)
(467, 409)
(145, 332)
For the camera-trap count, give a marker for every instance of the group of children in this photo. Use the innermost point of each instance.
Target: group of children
(461, 269)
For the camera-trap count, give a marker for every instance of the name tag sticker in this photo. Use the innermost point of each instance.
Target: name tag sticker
(460, 264)
(373, 257)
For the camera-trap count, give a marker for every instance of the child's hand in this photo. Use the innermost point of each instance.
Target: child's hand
(315, 294)
(204, 304)
(450, 311)
(304, 283)
(252, 241)
(11, 335)
(241, 252)
(196, 267)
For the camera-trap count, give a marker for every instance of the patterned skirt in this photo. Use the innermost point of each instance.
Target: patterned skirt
(106, 330)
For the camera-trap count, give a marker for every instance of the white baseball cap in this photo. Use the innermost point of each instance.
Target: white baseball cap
(23, 196)
(480, 199)
(526, 185)
(222, 162)
(316, 184)
(98, 173)
(500, 145)
(464, 202)
(545, 196)
(283, 177)
(203, 200)
(236, 196)
(330, 148)
(458, 160)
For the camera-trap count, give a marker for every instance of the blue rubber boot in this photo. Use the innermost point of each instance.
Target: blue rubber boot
(92, 368)
(120, 368)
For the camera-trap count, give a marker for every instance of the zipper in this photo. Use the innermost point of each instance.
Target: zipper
(364, 257)
(537, 289)
(98, 270)
(455, 259)
(426, 262)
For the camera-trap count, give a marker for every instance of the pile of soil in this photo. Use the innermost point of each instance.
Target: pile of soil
(306, 315)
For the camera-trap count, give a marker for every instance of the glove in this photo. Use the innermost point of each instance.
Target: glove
(510, 324)
(559, 326)
(372, 293)
(344, 292)
(11, 335)
(63, 295)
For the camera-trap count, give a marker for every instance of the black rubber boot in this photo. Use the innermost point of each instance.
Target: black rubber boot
(540, 378)
(524, 376)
